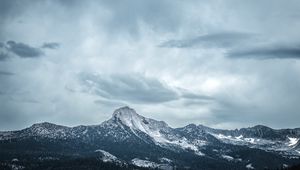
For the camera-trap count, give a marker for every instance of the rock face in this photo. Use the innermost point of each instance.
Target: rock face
(129, 138)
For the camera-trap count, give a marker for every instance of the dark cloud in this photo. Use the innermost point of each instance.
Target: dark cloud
(116, 89)
(6, 73)
(133, 88)
(23, 50)
(3, 56)
(196, 103)
(222, 40)
(237, 44)
(194, 99)
(51, 45)
(275, 52)
(8, 8)
(193, 96)
(197, 100)
(3, 53)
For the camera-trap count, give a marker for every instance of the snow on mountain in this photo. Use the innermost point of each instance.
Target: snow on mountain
(165, 160)
(45, 129)
(159, 131)
(149, 164)
(108, 157)
(136, 122)
(227, 157)
(265, 144)
(48, 130)
(240, 140)
(144, 163)
(292, 141)
(230, 158)
(249, 166)
(6, 135)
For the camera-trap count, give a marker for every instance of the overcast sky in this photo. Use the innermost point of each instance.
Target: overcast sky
(224, 64)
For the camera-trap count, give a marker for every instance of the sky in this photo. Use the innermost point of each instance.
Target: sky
(223, 64)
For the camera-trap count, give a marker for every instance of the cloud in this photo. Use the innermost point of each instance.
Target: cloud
(10, 8)
(51, 45)
(146, 52)
(126, 16)
(3, 56)
(219, 40)
(194, 96)
(117, 90)
(130, 88)
(261, 53)
(237, 45)
(3, 52)
(23, 50)
(6, 73)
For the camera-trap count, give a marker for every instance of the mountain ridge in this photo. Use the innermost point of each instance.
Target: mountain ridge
(137, 139)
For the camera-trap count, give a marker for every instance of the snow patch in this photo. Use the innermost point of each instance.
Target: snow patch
(149, 164)
(227, 157)
(85, 131)
(239, 137)
(144, 163)
(251, 140)
(15, 160)
(249, 166)
(239, 159)
(165, 160)
(107, 157)
(292, 141)
(242, 140)
(286, 147)
(16, 167)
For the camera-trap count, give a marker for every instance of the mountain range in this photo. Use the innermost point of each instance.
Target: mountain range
(130, 141)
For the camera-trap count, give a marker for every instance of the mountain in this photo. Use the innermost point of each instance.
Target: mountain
(130, 141)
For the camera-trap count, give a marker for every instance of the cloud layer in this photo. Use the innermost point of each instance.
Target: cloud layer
(221, 40)
(275, 52)
(128, 88)
(224, 64)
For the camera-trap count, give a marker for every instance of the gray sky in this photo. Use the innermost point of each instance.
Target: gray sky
(225, 64)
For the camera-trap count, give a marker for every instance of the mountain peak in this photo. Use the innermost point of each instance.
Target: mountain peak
(125, 113)
(127, 116)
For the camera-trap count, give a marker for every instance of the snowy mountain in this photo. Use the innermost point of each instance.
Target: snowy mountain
(129, 139)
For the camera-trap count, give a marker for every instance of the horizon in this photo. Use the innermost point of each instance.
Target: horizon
(221, 64)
